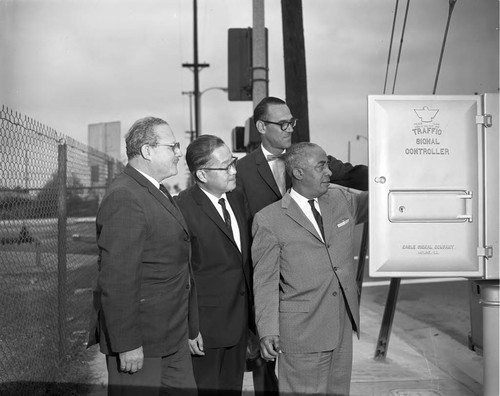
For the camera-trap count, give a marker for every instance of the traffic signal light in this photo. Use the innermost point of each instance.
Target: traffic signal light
(239, 57)
(238, 139)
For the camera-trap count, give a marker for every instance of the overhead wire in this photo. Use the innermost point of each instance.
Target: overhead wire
(401, 45)
(445, 37)
(390, 44)
(450, 11)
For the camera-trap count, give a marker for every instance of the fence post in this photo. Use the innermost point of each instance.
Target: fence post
(61, 244)
(111, 172)
(38, 253)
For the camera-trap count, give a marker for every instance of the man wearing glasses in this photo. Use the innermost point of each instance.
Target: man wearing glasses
(263, 180)
(144, 293)
(219, 224)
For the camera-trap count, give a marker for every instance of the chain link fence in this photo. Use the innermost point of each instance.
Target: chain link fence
(50, 189)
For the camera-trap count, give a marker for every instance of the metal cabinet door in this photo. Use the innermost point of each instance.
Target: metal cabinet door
(424, 192)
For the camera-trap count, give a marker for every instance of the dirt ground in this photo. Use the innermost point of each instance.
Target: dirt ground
(43, 327)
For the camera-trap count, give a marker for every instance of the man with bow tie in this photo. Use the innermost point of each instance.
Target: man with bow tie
(261, 174)
(262, 178)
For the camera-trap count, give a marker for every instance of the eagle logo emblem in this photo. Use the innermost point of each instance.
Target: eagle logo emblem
(425, 114)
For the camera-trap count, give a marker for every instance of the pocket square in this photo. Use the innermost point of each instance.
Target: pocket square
(342, 223)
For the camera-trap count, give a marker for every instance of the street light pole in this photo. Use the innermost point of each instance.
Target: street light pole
(359, 137)
(191, 131)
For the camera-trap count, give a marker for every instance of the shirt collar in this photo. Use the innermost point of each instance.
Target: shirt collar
(300, 199)
(151, 179)
(266, 152)
(212, 197)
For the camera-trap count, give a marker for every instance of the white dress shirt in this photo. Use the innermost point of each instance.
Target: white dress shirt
(278, 170)
(303, 203)
(234, 222)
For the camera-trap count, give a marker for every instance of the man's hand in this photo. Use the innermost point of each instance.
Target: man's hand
(196, 346)
(131, 361)
(270, 347)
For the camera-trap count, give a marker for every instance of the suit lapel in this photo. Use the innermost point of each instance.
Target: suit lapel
(293, 211)
(240, 218)
(265, 171)
(157, 194)
(327, 213)
(207, 206)
(244, 238)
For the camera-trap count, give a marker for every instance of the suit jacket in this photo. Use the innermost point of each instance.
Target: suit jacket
(256, 181)
(221, 271)
(143, 289)
(299, 280)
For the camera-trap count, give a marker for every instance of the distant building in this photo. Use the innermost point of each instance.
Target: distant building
(106, 137)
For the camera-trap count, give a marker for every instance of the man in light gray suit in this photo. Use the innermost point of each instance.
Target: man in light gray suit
(306, 297)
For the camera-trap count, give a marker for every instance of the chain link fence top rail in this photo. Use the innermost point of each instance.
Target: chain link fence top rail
(50, 189)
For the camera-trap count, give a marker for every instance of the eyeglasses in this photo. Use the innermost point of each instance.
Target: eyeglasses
(174, 146)
(283, 124)
(232, 164)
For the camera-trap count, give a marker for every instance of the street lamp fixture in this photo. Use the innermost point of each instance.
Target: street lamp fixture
(224, 89)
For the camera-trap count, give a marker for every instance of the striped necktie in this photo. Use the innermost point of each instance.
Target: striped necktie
(227, 218)
(318, 218)
(164, 190)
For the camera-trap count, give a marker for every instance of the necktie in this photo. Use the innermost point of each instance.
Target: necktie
(227, 218)
(164, 190)
(318, 218)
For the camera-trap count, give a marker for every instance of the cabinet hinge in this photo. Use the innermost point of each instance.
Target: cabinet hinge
(486, 251)
(484, 119)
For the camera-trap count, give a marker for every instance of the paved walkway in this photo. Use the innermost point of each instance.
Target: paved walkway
(420, 362)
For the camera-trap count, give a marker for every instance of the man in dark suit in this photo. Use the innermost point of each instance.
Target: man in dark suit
(262, 179)
(306, 296)
(218, 221)
(142, 300)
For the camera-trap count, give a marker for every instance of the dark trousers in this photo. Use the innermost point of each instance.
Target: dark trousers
(170, 375)
(220, 371)
(265, 381)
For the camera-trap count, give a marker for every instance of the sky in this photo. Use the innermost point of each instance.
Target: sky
(71, 63)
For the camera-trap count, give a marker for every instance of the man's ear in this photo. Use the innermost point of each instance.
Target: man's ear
(260, 125)
(297, 173)
(200, 174)
(145, 151)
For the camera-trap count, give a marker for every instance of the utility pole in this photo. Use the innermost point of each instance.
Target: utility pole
(196, 69)
(295, 66)
(259, 54)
